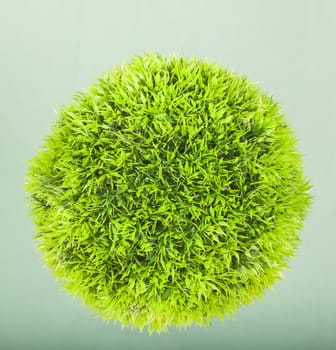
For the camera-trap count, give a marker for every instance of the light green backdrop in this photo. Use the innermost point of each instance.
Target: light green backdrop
(50, 49)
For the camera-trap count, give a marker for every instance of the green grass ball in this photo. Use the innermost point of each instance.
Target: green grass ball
(170, 192)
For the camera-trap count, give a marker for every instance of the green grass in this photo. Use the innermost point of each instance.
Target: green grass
(171, 192)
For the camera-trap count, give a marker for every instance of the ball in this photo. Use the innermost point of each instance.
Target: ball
(170, 192)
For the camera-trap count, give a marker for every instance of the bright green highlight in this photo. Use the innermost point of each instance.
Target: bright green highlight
(171, 192)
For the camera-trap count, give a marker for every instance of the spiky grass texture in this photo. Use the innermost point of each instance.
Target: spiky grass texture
(170, 192)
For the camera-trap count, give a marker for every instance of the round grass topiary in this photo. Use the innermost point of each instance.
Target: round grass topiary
(171, 192)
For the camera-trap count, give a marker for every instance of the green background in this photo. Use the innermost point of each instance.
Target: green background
(50, 49)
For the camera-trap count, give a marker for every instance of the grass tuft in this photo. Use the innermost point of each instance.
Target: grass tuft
(169, 193)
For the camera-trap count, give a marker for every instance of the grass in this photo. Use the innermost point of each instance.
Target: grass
(169, 193)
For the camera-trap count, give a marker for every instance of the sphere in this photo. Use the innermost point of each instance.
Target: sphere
(170, 192)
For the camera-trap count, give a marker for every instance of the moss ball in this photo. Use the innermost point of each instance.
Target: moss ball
(170, 192)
